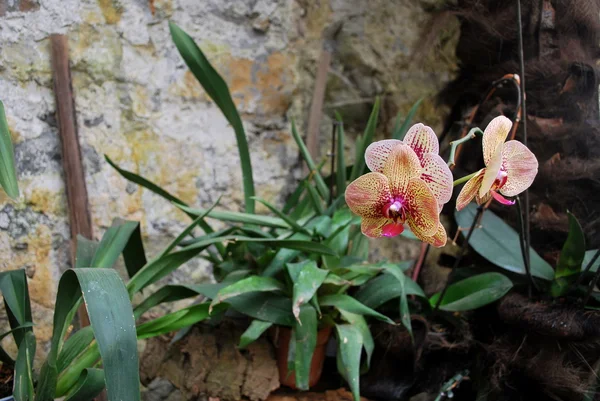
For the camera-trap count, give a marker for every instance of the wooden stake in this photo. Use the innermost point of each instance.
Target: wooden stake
(77, 198)
(316, 107)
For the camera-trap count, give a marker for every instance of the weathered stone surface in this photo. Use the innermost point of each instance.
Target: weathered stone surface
(137, 102)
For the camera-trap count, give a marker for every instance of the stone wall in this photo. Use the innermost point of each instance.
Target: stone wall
(137, 102)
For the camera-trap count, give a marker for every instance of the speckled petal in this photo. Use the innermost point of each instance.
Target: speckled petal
(378, 152)
(422, 140)
(437, 176)
(484, 199)
(373, 227)
(401, 166)
(494, 135)
(421, 208)
(521, 166)
(367, 195)
(438, 240)
(491, 173)
(468, 192)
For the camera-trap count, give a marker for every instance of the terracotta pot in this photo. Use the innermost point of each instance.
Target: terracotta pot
(281, 339)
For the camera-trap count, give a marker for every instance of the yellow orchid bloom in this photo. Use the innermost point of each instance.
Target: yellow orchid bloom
(510, 167)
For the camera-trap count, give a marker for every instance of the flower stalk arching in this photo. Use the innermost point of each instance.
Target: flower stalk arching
(455, 144)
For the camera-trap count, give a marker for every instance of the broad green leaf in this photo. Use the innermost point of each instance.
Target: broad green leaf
(340, 171)
(305, 333)
(14, 290)
(570, 259)
(306, 283)
(249, 284)
(267, 306)
(384, 288)
(134, 254)
(174, 292)
(587, 259)
(74, 346)
(8, 176)
(404, 310)
(23, 380)
(282, 257)
(177, 320)
(338, 242)
(350, 345)
(238, 217)
(86, 249)
(315, 199)
(256, 329)
(321, 186)
(292, 202)
(401, 130)
(349, 304)
(113, 243)
(359, 322)
(474, 292)
(217, 89)
(499, 243)
(364, 142)
(89, 385)
(111, 318)
(573, 251)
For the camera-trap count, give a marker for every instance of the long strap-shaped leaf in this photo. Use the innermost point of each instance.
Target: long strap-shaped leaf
(14, 290)
(8, 177)
(217, 89)
(111, 316)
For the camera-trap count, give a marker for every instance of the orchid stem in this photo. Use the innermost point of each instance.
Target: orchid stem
(464, 179)
(525, 249)
(454, 144)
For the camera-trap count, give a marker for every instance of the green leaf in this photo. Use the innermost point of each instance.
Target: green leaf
(23, 380)
(217, 89)
(111, 317)
(293, 200)
(340, 171)
(573, 251)
(361, 145)
(400, 131)
(270, 307)
(238, 217)
(172, 293)
(315, 200)
(256, 329)
(499, 244)
(177, 320)
(13, 286)
(74, 346)
(8, 176)
(290, 222)
(349, 304)
(321, 186)
(113, 242)
(384, 288)
(86, 249)
(305, 246)
(137, 179)
(306, 283)
(474, 292)
(249, 284)
(570, 259)
(134, 254)
(89, 385)
(350, 345)
(305, 332)
(359, 322)
(404, 310)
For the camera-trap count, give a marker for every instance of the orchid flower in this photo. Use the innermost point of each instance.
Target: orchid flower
(510, 168)
(409, 184)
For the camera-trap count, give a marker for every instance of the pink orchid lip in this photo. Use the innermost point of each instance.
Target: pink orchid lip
(392, 229)
(501, 198)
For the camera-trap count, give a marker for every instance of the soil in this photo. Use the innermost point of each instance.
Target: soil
(6, 381)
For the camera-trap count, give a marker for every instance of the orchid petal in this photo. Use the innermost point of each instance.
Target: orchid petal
(367, 195)
(373, 226)
(483, 199)
(392, 229)
(437, 176)
(491, 173)
(378, 152)
(470, 189)
(421, 208)
(494, 136)
(521, 168)
(438, 240)
(401, 166)
(422, 140)
(501, 198)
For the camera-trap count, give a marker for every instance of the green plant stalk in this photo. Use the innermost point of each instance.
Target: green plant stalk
(69, 377)
(464, 179)
(455, 144)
